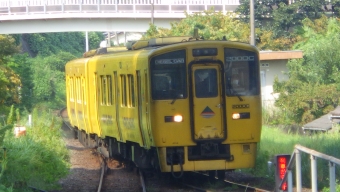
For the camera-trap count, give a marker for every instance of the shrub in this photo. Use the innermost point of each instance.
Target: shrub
(38, 159)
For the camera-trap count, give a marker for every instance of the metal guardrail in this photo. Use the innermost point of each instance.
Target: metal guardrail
(12, 7)
(313, 156)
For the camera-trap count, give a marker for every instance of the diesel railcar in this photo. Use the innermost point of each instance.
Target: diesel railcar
(174, 104)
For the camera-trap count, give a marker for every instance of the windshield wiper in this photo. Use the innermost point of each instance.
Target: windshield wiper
(175, 97)
(232, 91)
(239, 97)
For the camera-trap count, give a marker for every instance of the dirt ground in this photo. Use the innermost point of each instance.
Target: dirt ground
(85, 171)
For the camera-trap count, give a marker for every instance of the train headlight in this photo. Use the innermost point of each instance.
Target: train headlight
(245, 115)
(236, 116)
(178, 118)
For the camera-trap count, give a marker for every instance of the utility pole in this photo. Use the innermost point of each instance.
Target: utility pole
(152, 11)
(252, 23)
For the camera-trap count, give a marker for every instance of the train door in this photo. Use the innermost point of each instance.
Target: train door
(116, 103)
(142, 115)
(207, 102)
(147, 110)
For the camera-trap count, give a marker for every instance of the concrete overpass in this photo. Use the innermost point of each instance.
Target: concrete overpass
(39, 16)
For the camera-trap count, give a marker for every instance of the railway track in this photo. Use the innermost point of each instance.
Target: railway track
(219, 185)
(103, 168)
(111, 169)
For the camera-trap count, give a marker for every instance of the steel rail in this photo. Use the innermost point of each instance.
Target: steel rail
(142, 181)
(103, 165)
(243, 186)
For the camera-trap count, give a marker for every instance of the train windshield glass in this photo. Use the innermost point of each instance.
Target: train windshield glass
(242, 72)
(168, 76)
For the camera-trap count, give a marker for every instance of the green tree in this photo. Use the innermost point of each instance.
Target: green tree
(9, 80)
(211, 25)
(303, 95)
(284, 18)
(7, 47)
(312, 8)
(46, 44)
(335, 7)
(48, 77)
(21, 65)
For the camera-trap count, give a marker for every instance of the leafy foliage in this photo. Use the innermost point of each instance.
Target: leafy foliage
(46, 44)
(314, 75)
(31, 158)
(49, 78)
(336, 7)
(21, 65)
(211, 26)
(7, 47)
(263, 10)
(312, 8)
(9, 80)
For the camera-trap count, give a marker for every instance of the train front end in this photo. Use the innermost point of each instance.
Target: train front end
(205, 110)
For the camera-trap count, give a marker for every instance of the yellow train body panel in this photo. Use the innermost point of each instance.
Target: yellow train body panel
(192, 105)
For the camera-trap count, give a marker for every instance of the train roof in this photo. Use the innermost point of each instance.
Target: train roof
(147, 44)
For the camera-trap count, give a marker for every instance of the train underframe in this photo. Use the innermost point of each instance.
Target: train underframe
(207, 156)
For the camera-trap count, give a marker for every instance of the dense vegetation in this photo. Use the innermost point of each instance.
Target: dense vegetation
(36, 77)
(38, 159)
(33, 83)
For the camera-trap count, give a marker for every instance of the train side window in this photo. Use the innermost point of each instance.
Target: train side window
(109, 91)
(103, 89)
(115, 88)
(123, 88)
(75, 89)
(78, 90)
(146, 84)
(83, 96)
(132, 102)
(71, 89)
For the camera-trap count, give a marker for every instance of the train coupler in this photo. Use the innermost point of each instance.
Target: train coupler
(175, 156)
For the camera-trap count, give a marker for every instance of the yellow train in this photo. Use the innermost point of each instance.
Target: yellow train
(175, 104)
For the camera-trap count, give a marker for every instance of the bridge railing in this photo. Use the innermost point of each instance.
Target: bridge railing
(13, 7)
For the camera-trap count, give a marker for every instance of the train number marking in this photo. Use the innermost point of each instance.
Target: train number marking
(240, 58)
(128, 122)
(240, 106)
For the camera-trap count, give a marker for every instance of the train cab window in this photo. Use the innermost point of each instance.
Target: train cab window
(242, 72)
(168, 76)
(206, 83)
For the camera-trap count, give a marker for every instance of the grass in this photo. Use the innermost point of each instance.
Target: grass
(38, 159)
(275, 141)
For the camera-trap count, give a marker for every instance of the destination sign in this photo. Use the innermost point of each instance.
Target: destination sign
(169, 61)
